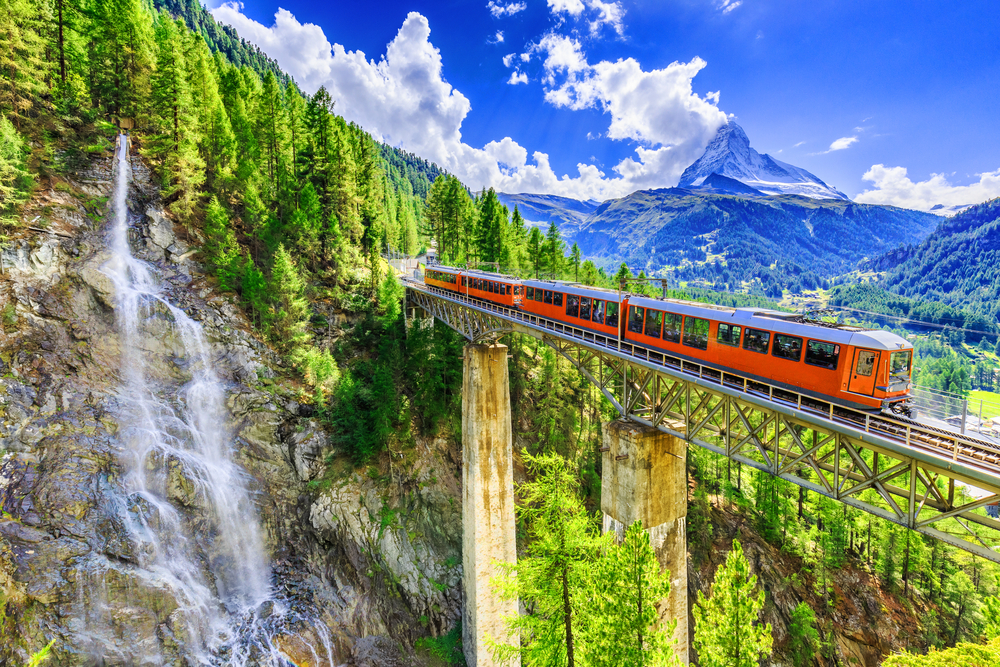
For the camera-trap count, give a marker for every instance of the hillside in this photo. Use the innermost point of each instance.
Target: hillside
(539, 210)
(958, 264)
(674, 227)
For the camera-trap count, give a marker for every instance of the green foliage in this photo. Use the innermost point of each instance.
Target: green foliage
(434, 362)
(727, 630)
(623, 614)
(447, 647)
(963, 655)
(803, 638)
(552, 578)
(289, 308)
(41, 656)
(15, 181)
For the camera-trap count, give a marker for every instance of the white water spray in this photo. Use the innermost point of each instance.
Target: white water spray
(177, 449)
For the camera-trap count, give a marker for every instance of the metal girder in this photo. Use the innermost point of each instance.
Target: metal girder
(900, 472)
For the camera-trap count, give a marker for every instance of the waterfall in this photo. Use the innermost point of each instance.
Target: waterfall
(174, 441)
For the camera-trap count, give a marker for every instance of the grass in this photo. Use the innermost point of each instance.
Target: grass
(991, 403)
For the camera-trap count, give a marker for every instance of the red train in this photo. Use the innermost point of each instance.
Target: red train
(857, 368)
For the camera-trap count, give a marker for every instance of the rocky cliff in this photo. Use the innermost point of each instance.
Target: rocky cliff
(362, 564)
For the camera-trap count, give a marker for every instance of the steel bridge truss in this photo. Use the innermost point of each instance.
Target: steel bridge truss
(895, 473)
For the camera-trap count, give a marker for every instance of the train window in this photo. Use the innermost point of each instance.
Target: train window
(866, 363)
(598, 315)
(510, 290)
(696, 332)
(584, 308)
(611, 314)
(672, 327)
(572, 305)
(756, 340)
(538, 294)
(729, 334)
(899, 363)
(635, 315)
(548, 296)
(654, 318)
(495, 287)
(787, 347)
(824, 355)
(530, 294)
(557, 299)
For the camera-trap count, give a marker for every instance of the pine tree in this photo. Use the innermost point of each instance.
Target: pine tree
(22, 64)
(623, 614)
(289, 314)
(552, 577)
(575, 258)
(553, 251)
(727, 630)
(14, 177)
(803, 638)
(622, 275)
(492, 222)
(535, 254)
(121, 56)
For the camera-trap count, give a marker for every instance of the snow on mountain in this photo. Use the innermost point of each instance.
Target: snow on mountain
(730, 155)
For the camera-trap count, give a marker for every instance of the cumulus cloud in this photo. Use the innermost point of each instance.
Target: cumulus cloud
(508, 59)
(498, 38)
(403, 99)
(600, 13)
(500, 10)
(517, 77)
(894, 187)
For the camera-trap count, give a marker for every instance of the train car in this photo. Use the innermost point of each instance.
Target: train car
(445, 277)
(592, 308)
(493, 287)
(854, 367)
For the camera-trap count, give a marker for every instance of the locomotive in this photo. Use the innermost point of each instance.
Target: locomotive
(861, 369)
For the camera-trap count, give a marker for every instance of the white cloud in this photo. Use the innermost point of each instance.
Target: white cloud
(842, 143)
(602, 13)
(798, 144)
(500, 10)
(508, 59)
(517, 77)
(572, 7)
(403, 99)
(894, 187)
(729, 5)
(657, 108)
(498, 39)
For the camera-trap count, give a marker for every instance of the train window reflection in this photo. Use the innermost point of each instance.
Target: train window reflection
(598, 315)
(899, 362)
(866, 363)
(756, 340)
(611, 315)
(672, 327)
(584, 308)
(824, 355)
(654, 318)
(635, 315)
(572, 305)
(557, 299)
(787, 347)
(729, 334)
(696, 333)
(548, 296)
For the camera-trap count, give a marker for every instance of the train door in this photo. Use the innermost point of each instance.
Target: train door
(863, 372)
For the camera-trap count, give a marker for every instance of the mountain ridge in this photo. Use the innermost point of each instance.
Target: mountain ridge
(729, 154)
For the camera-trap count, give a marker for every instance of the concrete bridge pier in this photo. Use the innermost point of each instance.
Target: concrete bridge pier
(644, 477)
(487, 498)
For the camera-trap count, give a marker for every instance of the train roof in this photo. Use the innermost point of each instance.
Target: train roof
(486, 275)
(444, 269)
(578, 289)
(791, 324)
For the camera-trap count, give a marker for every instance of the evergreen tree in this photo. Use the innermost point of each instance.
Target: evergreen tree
(623, 614)
(727, 630)
(14, 177)
(575, 258)
(121, 56)
(22, 59)
(803, 638)
(221, 249)
(622, 275)
(289, 308)
(552, 577)
(553, 251)
(535, 254)
(492, 222)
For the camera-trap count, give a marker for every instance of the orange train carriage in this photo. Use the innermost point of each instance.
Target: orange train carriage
(858, 368)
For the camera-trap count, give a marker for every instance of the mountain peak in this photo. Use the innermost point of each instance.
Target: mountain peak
(729, 154)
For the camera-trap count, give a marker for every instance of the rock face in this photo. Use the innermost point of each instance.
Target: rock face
(361, 564)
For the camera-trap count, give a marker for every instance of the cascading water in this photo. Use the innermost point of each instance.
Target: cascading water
(174, 441)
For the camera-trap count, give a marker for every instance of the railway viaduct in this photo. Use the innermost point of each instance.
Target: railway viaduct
(910, 474)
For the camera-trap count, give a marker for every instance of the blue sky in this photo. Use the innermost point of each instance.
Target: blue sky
(891, 102)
